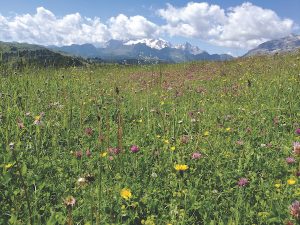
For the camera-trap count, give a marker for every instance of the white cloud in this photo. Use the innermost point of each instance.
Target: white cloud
(124, 28)
(243, 26)
(46, 29)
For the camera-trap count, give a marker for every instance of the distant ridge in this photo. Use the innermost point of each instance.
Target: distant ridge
(286, 44)
(143, 49)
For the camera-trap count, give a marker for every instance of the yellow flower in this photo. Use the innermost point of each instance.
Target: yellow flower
(37, 118)
(166, 141)
(158, 136)
(103, 154)
(206, 133)
(140, 120)
(125, 193)
(162, 103)
(181, 167)
(291, 181)
(9, 165)
(173, 148)
(228, 129)
(277, 185)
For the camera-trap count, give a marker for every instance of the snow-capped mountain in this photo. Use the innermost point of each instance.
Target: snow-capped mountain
(152, 43)
(194, 50)
(286, 44)
(139, 50)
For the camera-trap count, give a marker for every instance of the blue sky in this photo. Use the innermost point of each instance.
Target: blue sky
(192, 29)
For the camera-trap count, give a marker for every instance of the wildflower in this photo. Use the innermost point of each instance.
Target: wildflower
(103, 154)
(114, 151)
(8, 166)
(70, 201)
(89, 131)
(81, 181)
(298, 173)
(295, 209)
(173, 148)
(297, 131)
(181, 167)
(290, 160)
(134, 148)
(206, 133)
(289, 223)
(12, 146)
(111, 158)
(243, 182)
(196, 155)
(277, 185)
(228, 129)
(240, 142)
(88, 153)
(78, 154)
(158, 136)
(154, 175)
(291, 181)
(140, 120)
(296, 148)
(166, 141)
(125, 193)
(184, 139)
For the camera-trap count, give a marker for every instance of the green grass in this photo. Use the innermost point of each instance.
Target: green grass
(212, 104)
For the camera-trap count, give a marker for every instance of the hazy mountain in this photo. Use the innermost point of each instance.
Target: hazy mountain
(286, 44)
(142, 50)
(21, 54)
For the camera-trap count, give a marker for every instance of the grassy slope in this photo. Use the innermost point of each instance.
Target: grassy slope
(256, 99)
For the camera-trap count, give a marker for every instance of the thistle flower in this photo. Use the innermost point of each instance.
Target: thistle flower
(290, 160)
(297, 131)
(134, 148)
(70, 201)
(196, 155)
(295, 209)
(243, 182)
(296, 148)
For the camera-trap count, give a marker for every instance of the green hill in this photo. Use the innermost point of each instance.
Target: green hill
(22, 54)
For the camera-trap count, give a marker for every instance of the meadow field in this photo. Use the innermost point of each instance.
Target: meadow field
(192, 143)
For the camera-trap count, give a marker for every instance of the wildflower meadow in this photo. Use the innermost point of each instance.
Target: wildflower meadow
(192, 143)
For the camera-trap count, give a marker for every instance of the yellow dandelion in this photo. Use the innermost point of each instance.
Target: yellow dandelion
(9, 165)
(173, 148)
(278, 185)
(228, 129)
(125, 193)
(206, 133)
(181, 167)
(166, 141)
(291, 181)
(103, 154)
(37, 118)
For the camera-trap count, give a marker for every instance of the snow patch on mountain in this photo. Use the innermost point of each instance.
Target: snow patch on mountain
(152, 43)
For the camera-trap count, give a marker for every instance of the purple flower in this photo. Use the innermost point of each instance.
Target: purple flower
(196, 155)
(297, 131)
(298, 173)
(290, 160)
(295, 209)
(88, 153)
(296, 148)
(88, 131)
(134, 148)
(114, 151)
(78, 154)
(243, 182)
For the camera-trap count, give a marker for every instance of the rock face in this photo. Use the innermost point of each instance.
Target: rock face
(286, 44)
(142, 50)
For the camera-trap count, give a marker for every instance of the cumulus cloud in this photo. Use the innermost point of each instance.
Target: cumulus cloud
(243, 26)
(46, 29)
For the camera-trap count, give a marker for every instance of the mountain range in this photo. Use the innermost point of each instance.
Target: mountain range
(141, 50)
(286, 44)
